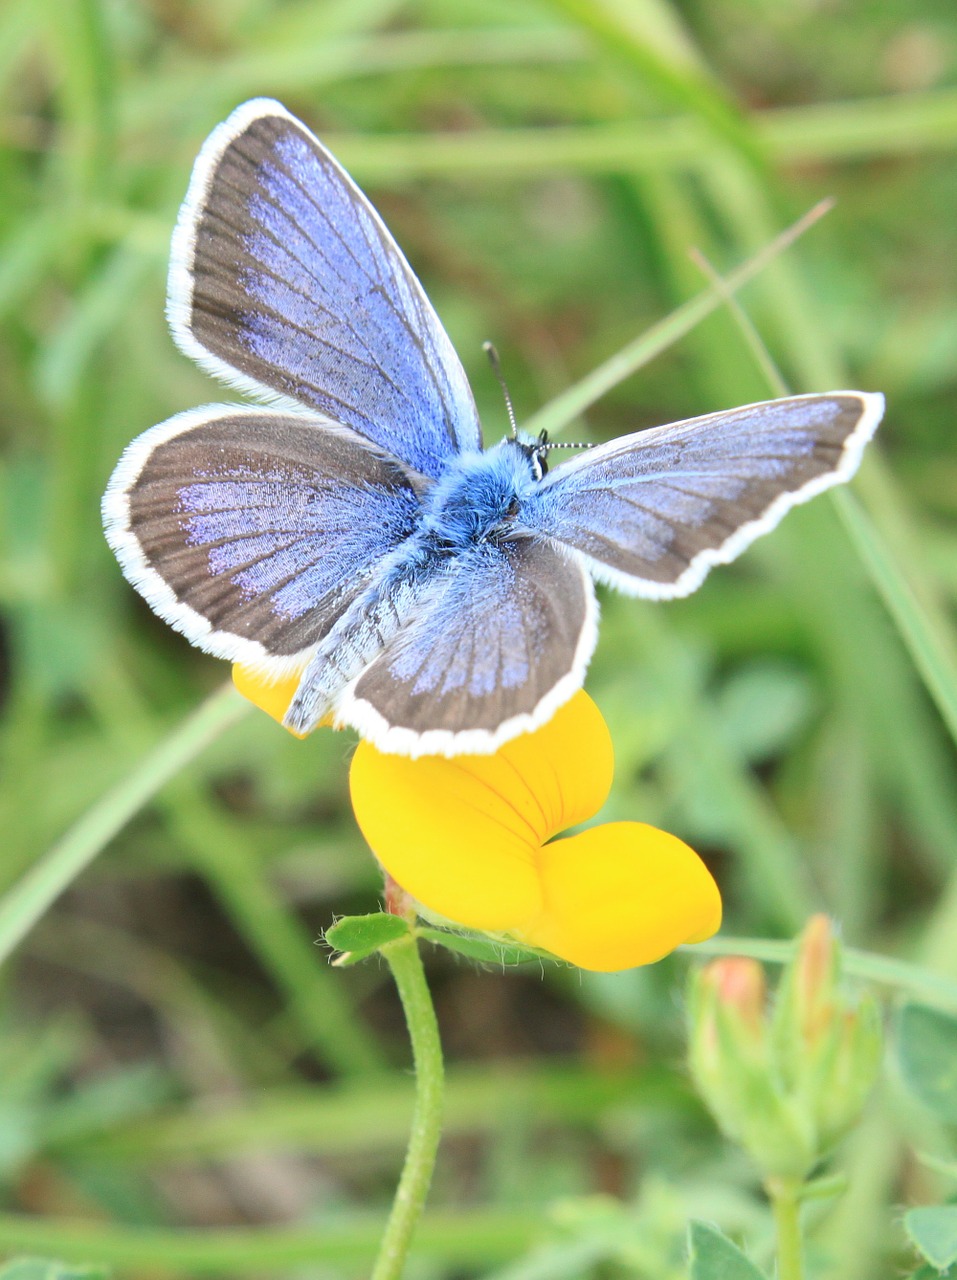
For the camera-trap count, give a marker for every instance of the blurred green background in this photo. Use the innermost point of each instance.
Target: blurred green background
(175, 1053)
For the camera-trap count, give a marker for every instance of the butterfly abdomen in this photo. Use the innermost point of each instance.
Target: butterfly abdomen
(360, 634)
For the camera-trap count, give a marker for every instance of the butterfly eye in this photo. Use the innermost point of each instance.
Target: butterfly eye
(511, 510)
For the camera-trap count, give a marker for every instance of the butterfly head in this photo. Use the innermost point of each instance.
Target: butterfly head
(535, 451)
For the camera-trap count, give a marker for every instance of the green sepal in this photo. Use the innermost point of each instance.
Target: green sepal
(927, 1053)
(484, 950)
(45, 1269)
(714, 1257)
(358, 937)
(932, 1230)
(854, 1068)
(732, 1065)
(827, 1046)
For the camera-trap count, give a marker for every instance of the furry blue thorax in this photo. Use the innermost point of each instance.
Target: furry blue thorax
(479, 494)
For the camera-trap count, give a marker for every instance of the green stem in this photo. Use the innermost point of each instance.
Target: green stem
(785, 1196)
(470, 1240)
(23, 905)
(932, 988)
(922, 625)
(406, 964)
(896, 124)
(567, 406)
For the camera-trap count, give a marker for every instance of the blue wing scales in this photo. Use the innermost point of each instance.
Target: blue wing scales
(494, 645)
(252, 532)
(284, 280)
(654, 511)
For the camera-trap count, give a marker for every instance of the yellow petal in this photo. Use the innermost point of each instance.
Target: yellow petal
(566, 767)
(271, 696)
(463, 836)
(620, 895)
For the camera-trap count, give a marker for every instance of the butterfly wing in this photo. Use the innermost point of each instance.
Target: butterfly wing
(251, 531)
(652, 512)
(496, 644)
(284, 281)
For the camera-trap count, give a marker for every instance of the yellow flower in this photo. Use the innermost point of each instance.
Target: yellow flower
(271, 696)
(470, 839)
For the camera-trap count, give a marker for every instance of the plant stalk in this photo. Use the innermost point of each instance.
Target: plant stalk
(785, 1196)
(406, 964)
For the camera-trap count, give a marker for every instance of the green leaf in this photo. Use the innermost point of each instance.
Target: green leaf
(762, 706)
(927, 1051)
(715, 1257)
(932, 1230)
(927, 1272)
(358, 937)
(44, 1269)
(485, 950)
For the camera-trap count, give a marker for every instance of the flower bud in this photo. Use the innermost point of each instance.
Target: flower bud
(828, 1046)
(731, 1060)
(787, 1086)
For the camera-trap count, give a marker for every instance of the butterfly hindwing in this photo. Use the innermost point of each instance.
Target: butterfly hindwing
(493, 648)
(284, 280)
(654, 511)
(252, 531)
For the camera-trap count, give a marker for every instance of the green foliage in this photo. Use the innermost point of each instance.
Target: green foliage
(358, 937)
(927, 1052)
(933, 1233)
(176, 1054)
(43, 1269)
(715, 1257)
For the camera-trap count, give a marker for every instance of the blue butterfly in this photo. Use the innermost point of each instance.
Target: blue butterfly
(437, 597)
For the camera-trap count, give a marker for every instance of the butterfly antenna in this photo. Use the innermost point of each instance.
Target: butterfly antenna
(493, 360)
(569, 444)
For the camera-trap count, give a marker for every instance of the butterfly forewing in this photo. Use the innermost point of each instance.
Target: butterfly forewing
(652, 512)
(284, 279)
(497, 643)
(252, 531)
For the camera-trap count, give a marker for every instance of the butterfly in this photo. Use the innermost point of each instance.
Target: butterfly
(350, 527)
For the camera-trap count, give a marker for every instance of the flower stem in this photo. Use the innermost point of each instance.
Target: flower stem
(785, 1195)
(406, 964)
